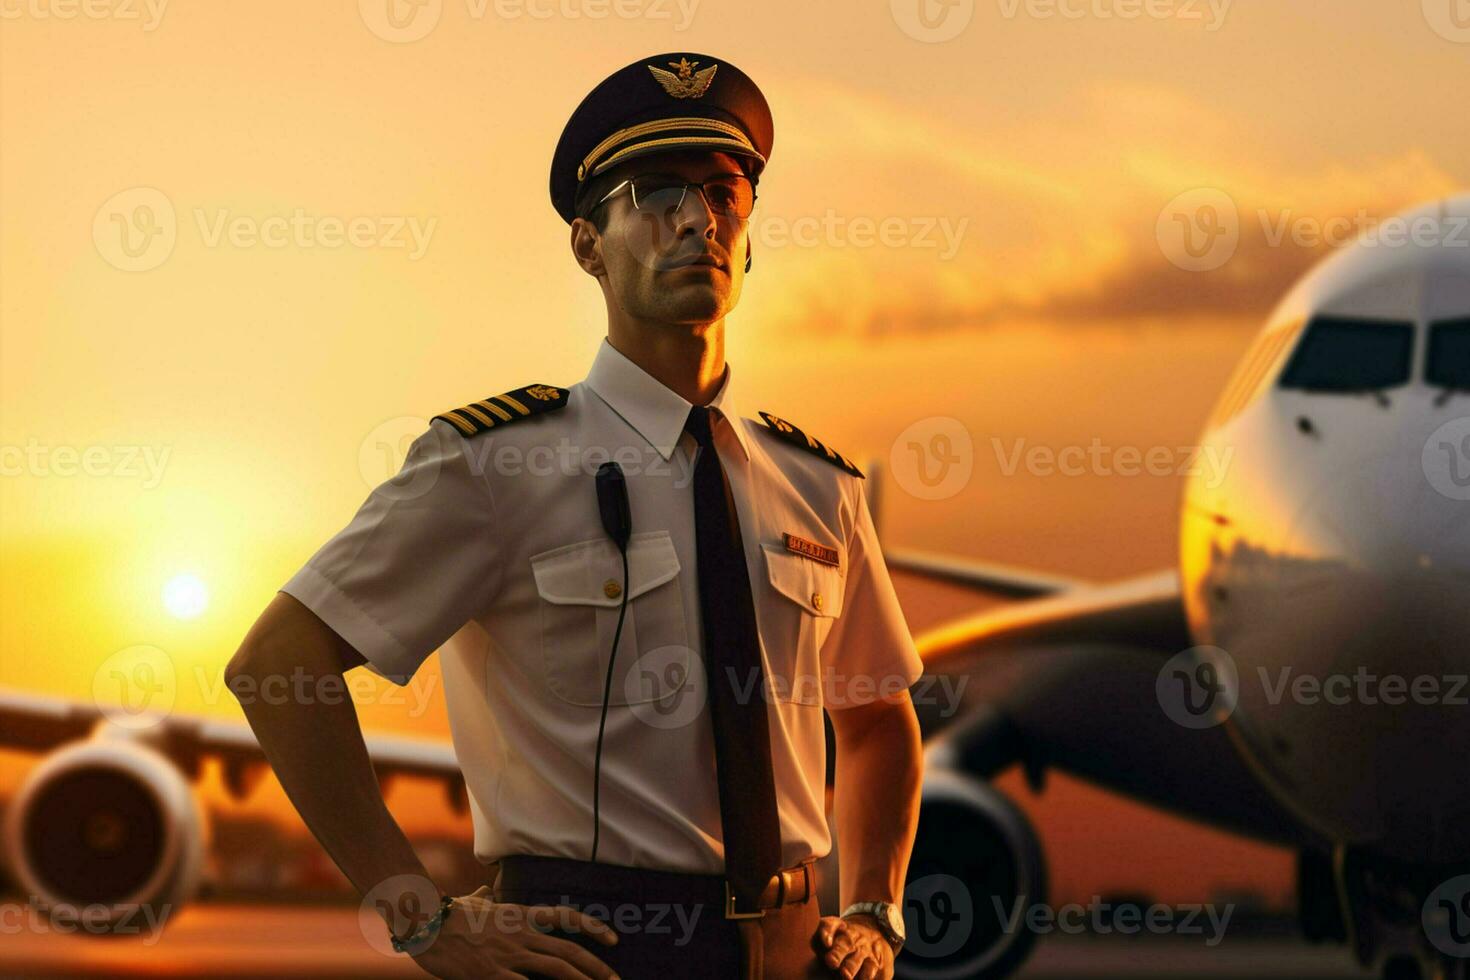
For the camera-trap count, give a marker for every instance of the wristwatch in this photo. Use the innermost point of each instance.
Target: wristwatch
(889, 916)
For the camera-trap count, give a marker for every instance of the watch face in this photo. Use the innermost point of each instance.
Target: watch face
(895, 920)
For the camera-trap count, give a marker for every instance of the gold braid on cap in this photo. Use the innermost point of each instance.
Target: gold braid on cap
(733, 137)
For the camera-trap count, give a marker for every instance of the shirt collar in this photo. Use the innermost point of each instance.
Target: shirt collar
(656, 411)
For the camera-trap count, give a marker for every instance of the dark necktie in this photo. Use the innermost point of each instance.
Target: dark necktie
(732, 663)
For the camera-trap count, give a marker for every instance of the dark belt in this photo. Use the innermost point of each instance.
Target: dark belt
(797, 883)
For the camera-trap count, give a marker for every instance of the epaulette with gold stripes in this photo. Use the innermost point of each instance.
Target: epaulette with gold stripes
(518, 403)
(801, 440)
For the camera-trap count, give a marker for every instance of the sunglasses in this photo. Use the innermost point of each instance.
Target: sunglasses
(727, 194)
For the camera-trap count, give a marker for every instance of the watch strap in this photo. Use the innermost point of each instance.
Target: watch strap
(878, 910)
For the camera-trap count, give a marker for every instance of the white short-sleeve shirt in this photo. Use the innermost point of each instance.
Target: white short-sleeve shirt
(492, 547)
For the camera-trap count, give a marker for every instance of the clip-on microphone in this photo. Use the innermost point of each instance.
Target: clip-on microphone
(617, 521)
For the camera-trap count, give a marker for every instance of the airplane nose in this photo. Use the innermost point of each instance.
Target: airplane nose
(1373, 596)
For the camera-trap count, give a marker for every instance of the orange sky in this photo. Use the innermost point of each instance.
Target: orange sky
(1022, 165)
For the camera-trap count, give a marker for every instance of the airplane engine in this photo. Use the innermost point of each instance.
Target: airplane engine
(976, 870)
(107, 833)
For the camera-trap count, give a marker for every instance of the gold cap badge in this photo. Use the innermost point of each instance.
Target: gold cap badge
(688, 83)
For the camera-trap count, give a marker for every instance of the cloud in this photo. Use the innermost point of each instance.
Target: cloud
(1061, 217)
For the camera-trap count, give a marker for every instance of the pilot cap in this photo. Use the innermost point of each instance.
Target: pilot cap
(672, 101)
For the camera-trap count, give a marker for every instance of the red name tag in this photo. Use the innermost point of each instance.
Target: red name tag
(812, 550)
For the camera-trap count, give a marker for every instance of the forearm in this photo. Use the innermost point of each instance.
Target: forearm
(315, 745)
(879, 771)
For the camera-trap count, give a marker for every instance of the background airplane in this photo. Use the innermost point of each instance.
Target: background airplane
(108, 822)
(1249, 689)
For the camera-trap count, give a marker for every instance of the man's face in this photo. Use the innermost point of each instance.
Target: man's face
(666, 264)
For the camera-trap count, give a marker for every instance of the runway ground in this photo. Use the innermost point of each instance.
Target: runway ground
(220, 940)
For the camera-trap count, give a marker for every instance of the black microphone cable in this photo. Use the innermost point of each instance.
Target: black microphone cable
(617, 521)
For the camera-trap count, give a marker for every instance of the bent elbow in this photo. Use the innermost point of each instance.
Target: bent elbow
(240, 673)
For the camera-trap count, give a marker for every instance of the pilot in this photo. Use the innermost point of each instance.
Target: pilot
(645, 600)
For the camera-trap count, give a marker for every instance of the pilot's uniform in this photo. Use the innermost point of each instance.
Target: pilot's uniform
(489, 542)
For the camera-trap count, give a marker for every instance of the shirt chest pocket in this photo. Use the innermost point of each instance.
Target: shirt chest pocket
(807, 599)
(581, 588)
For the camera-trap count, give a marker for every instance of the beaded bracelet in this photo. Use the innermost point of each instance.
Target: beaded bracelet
(425, 932)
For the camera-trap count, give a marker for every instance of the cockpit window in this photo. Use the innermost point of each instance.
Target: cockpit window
(1449, 354)
(1351, 354)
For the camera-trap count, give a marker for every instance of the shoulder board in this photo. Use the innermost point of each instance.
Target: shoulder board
(790, 433)
(497, 410)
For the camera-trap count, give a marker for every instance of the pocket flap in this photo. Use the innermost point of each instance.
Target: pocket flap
(583, 573)
(814, 586)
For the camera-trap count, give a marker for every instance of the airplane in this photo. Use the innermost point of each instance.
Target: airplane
(107, 829)
(1250, 688)
(1339, 539)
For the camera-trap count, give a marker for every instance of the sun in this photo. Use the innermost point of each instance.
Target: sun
(185, 596)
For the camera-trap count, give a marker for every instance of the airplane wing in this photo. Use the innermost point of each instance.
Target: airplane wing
(1146, 610)
(1002, 580)
(36, 723)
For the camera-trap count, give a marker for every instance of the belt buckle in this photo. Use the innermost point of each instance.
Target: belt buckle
(730, 912)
